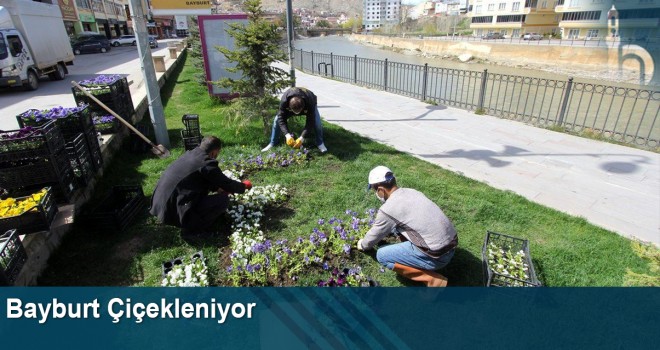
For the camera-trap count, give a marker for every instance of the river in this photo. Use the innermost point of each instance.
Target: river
(341, 45)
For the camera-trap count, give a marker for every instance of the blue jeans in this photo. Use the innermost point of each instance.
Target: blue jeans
(405, 253)
(318, 130)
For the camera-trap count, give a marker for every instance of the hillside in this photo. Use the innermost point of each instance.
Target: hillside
(335, 6)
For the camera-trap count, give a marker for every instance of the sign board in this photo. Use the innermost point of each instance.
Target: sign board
(180, 7)
(213, 32)
(68, 9)
(87, 17)
(181, 22)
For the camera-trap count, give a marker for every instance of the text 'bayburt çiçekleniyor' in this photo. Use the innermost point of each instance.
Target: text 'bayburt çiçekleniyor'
(118, 309)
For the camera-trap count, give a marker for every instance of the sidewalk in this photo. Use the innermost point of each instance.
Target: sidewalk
(612, 186)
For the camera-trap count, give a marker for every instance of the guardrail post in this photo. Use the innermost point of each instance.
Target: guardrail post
(355, 69)
(385, 76)
(425, 81)
(482, 90)
(312, 62)
(564, 102)
(332, 71)
(302, 66)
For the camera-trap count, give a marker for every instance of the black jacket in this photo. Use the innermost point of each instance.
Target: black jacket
(185, 182)
(284, 113)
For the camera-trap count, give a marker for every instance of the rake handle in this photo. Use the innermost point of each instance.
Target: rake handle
(128, 125)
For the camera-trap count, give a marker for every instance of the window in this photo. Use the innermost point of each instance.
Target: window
(511, 18)
(515, 33)
(482, 19)
(515, 7)
(84, 4)
(15, 45)
(477, 10)
(491, 7)
(502, 6)
(574, 3)
(544, 4)
(581, 16)
(592, 33)
(530, 3)
(573, 33)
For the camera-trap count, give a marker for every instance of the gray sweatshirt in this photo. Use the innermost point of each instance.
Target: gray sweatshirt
(415, 216)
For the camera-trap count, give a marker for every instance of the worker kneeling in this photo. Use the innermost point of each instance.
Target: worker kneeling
(428, 236)
(181, 197)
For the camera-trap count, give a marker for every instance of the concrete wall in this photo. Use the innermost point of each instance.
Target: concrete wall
(558, 55)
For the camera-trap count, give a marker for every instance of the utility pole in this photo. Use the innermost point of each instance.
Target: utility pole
(147, 64)
(289, 34)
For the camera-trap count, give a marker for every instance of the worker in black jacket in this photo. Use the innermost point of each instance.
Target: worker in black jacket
(296, 101)
(181, 197)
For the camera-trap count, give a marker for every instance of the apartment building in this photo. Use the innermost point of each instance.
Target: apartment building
(627, 19)
(423, 9)
(635, 19)
(514, 18)
(380, 13)
(583, 19)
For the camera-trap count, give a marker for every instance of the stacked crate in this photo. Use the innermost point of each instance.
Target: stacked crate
(191, 135)
(35, 157)
(116, 96)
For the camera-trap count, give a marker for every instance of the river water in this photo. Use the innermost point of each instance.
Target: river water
(341, 45)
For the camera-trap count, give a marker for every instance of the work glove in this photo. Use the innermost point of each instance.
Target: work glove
(359, 245)
(289, 140)
(299, 142)
(248, 184)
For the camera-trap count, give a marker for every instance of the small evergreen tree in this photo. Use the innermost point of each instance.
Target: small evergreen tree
(257, 48)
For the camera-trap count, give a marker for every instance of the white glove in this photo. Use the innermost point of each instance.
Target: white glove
(359, 245)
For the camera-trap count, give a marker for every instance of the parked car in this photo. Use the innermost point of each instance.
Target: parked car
(124, 40)
(490, 36)
(153, 42)
(91, 45)
(532, 36)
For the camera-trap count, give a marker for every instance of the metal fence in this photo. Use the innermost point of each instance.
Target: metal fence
(622, 114)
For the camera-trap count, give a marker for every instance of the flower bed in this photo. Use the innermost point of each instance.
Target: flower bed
(28, 214)
(12, 257)
(252, 163)
(507, 262)
(194, 273)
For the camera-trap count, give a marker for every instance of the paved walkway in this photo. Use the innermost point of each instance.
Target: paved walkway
(612, 186)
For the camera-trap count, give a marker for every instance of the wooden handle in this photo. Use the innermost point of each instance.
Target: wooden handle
(128, 125)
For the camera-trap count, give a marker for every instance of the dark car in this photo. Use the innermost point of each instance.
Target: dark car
(153, 42)
(490, 36)
(90, 45)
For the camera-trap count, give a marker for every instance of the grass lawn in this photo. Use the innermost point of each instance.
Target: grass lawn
(567, 251)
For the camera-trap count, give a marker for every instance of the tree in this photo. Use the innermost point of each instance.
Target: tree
(281, 21)
(323, 23)
(257, 48)
(353, 23)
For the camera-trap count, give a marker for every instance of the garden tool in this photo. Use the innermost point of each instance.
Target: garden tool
(158, 150)
(430, 278)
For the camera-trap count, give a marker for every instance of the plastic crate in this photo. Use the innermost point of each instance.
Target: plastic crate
(507, 243)
(169, 265)
(42, 141)
(30, 173)
(190, 140)
(38, 219)
(111, 127)
(12, 257)
(191, 122)
(70, 126)
(80, 159)
(96, 157)
(118, 209)
(116, 96)
(137, 144)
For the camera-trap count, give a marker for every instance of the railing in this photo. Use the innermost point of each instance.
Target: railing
(622, 114)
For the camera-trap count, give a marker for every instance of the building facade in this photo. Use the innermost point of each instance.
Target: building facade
(514, 18)
(380, 13)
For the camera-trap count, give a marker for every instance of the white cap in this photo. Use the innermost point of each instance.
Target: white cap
(380, 174)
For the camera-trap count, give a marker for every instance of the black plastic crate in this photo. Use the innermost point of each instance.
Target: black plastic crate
(169, 265)
(191, 122)
(508, 244)
(137, 144)
(30, 173)
(118, 209)
(116, 96)
(40, 141)
(37, 219)
(80, 159)
(12, 257)
(70, 126)
(110, 127)
(96, 157)
(190, 140)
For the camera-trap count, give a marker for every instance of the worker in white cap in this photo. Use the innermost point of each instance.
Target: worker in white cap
(428, 236)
